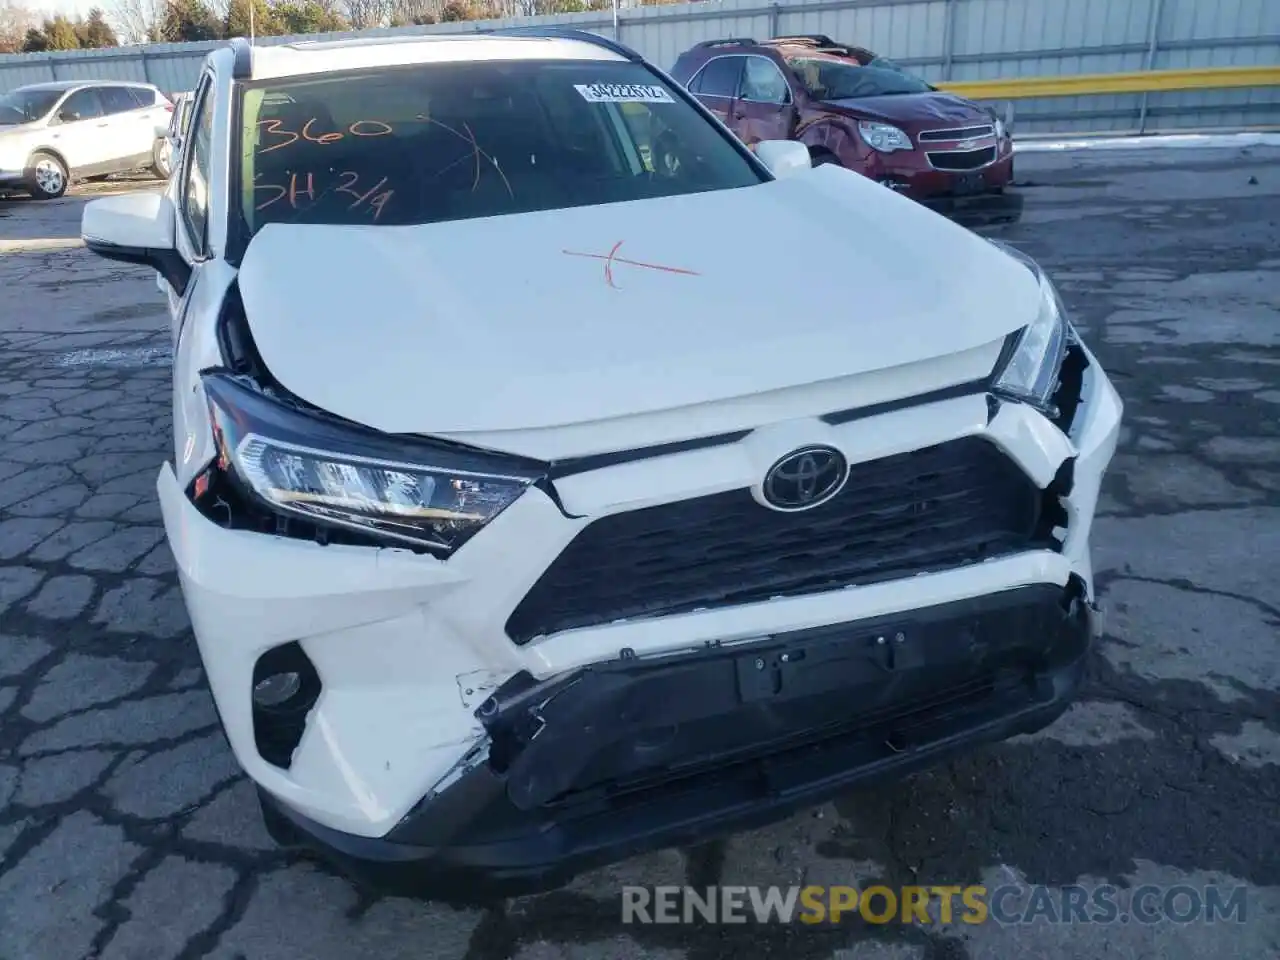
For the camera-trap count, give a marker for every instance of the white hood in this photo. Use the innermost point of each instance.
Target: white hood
(500, 324)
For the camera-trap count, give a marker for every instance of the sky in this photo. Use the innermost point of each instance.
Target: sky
(71, 8)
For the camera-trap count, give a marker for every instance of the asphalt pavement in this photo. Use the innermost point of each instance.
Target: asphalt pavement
(127, 832)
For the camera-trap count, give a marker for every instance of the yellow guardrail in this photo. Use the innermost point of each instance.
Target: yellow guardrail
(1093, 84)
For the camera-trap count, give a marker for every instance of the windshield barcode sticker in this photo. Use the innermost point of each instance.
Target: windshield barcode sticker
(622, 93)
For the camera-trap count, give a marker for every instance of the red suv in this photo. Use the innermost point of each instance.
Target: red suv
(863, 112)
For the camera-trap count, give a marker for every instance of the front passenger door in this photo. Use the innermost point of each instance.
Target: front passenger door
(716, 86)
(192, 197)
(132, 129)
(81, 131)
(765, 108)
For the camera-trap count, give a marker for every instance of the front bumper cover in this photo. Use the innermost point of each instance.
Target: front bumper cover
(638, 753)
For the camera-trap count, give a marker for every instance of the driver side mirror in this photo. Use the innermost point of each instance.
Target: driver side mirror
(137, 228)
(784, 157)
(68, 116)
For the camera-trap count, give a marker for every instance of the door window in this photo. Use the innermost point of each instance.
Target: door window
(81, 105)
(195, 183)
(719, 78)
(117, 99)
(763, 82)
(178, 117)
(144, 96)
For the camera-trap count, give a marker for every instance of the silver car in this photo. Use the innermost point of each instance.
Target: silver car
(169, 143)
(54, 133)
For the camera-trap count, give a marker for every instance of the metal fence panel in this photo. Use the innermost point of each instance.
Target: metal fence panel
(1229, 33)
(940, 39)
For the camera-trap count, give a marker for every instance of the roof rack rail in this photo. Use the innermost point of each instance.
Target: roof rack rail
(726, 42)
(242, 64)
(566, 33)
(821, 39)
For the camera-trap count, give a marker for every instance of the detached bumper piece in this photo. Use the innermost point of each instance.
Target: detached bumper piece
(636, 754)
(979, 209)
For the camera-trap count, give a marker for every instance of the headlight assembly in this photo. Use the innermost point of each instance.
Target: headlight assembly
(13, 154)
(883, 137)
(398, 491)
(1032, 359)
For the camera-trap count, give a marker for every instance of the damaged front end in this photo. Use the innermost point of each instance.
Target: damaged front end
(564, 766)
(614, 733)
(634, 753)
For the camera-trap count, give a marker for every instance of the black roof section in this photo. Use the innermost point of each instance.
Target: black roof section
(242, 66)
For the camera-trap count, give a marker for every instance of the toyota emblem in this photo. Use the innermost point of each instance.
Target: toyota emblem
(805, 478)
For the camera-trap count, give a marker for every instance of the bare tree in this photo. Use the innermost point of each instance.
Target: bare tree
(366, 14)
(138, 21)
(219, 8)
(15, 21)
(402, 13)
(331, 8)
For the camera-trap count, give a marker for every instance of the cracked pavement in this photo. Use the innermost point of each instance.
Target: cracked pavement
(127, 831)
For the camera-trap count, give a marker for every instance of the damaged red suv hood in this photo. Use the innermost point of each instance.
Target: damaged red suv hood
(912, 111)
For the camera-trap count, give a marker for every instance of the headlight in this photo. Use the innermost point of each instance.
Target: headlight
(1033, 357)
(13, 153)
(409, 491)
(882, 137)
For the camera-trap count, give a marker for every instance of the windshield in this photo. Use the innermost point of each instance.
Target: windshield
(23, 106)
(453, 141)
(840, 80)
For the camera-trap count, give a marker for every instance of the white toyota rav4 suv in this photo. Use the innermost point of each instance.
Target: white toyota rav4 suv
(556, 479)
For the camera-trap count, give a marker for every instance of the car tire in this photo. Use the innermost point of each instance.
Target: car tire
(824, 157)
(47, 177)
(161, 168)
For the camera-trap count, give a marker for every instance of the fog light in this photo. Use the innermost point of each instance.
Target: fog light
(284, 689)
(276, 689)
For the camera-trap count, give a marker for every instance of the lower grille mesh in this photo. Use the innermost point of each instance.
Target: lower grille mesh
(931, 509)
(962, 159)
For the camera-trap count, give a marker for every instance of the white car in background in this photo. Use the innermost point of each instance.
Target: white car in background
(52, 134)
(170, 141)
(539, 493)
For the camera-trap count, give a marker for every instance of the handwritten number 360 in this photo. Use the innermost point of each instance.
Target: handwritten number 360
(361, 128)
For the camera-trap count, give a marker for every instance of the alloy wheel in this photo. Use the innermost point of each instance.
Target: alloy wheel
(49, 177)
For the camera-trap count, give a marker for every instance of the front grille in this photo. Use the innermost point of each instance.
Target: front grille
(932, 509)
(962, 159)
(957, 133)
